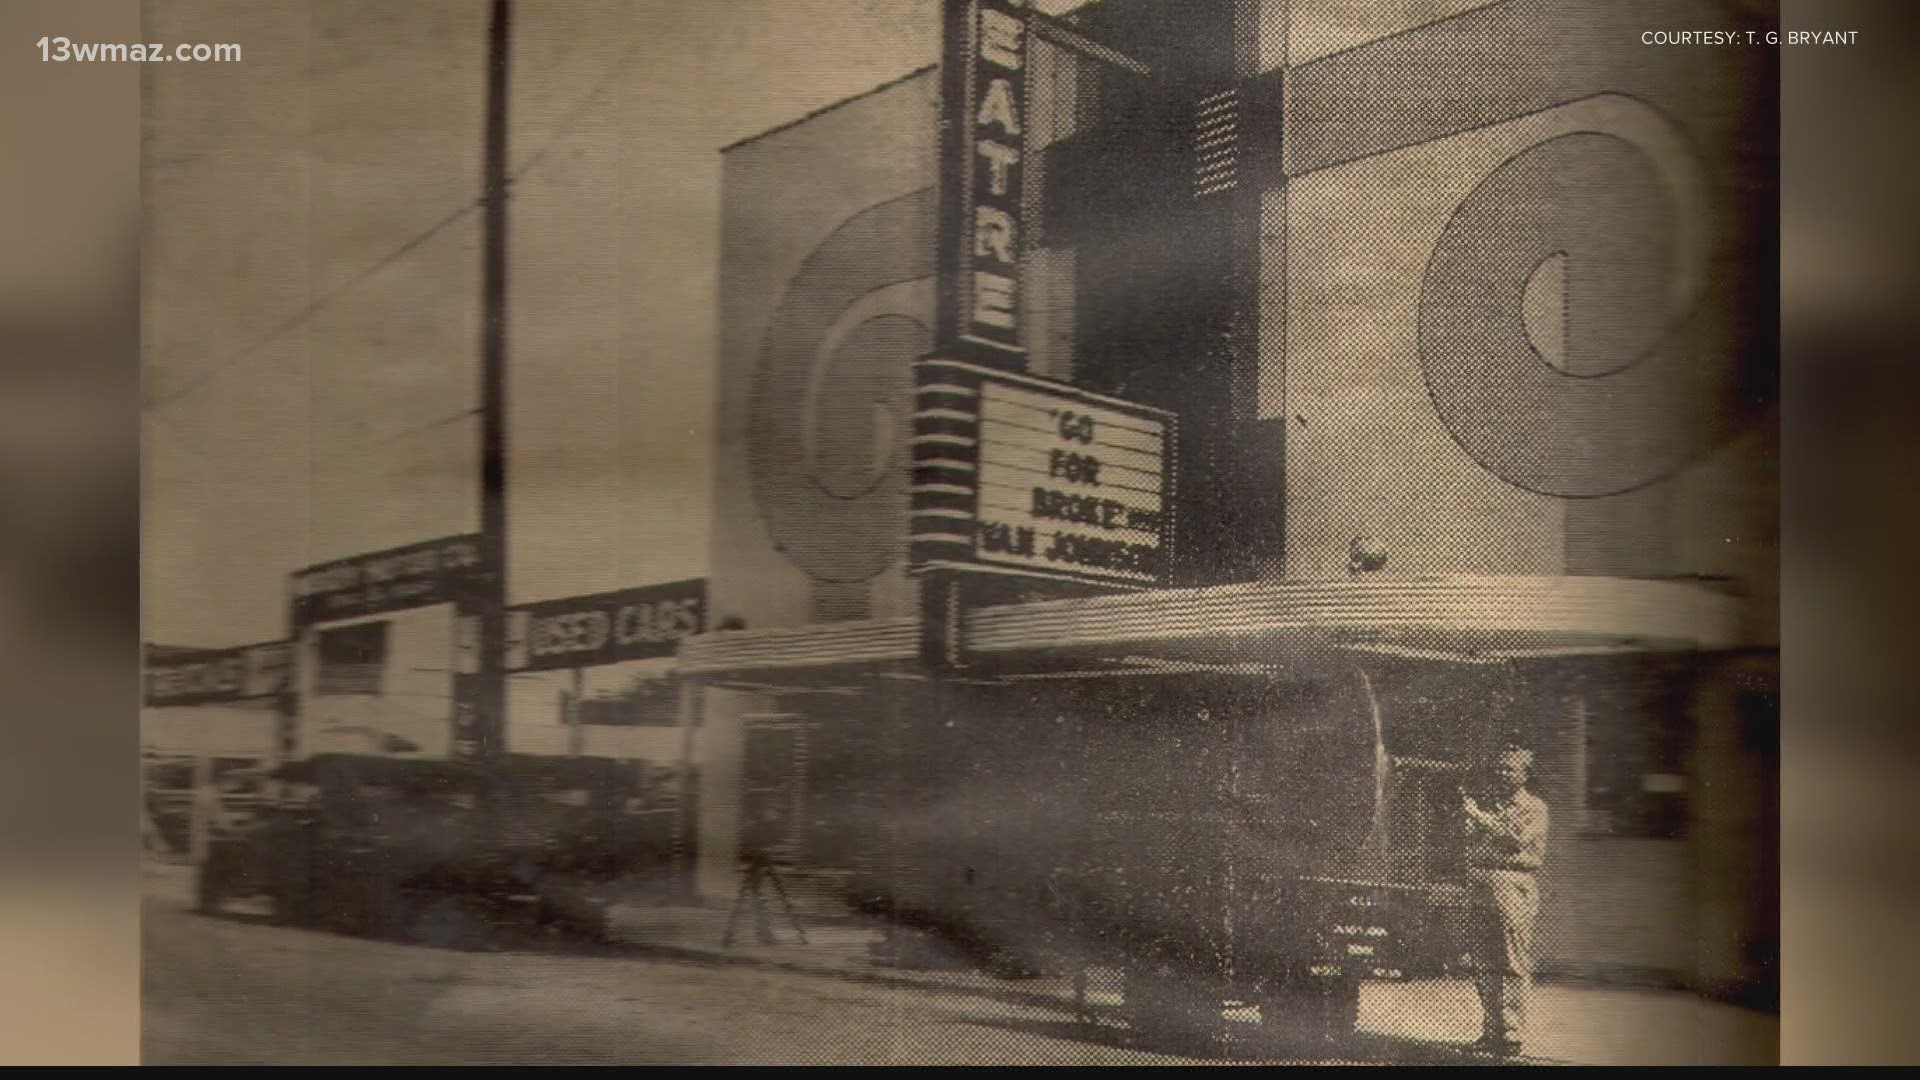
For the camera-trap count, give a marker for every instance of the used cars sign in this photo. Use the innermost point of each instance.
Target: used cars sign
(605, 628)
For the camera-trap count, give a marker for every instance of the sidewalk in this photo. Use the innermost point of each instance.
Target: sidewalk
(1572, 1023)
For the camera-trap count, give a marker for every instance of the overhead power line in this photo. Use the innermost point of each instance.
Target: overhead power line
(286, 327)
(194, 384)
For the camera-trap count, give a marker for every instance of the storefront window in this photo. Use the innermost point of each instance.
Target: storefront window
(240, 782)
(775, 764)
(169, 802)
(352, 659)
(1637, 767)
(808, 786)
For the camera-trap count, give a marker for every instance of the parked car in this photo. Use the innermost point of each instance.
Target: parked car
(386, 845)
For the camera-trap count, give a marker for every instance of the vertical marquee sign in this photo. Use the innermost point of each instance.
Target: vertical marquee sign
(983, 102)
(1013, 474)
(983, 124)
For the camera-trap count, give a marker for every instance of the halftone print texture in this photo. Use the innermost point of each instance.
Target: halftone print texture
(1439, 729)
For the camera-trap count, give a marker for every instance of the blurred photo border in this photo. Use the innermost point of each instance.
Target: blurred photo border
(70, 196)
(69, 313)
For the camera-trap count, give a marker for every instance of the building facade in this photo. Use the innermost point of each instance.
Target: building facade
(210, 721)
(380, 659)
(1451, 335)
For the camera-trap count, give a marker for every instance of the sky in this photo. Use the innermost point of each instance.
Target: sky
(312, 277)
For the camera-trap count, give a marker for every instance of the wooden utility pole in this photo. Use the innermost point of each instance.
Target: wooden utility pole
(576, 710)
(490, 703)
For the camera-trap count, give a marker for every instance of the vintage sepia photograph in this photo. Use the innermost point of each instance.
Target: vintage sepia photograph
(960, 532)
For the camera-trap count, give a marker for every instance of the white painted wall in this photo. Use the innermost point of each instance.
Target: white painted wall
(239, 730)
(417, 698)
(719, 746)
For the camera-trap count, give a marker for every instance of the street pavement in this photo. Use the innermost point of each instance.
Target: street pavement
(232, 989)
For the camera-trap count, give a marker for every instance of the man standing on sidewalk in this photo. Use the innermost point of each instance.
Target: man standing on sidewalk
(1506, 841)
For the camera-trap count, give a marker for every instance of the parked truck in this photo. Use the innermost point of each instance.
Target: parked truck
(1216, 839)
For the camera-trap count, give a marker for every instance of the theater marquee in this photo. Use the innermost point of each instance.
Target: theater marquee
(1021, 475)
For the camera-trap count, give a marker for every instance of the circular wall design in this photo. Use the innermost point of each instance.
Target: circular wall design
(832, 398)
(1636, 385)
(854, 421)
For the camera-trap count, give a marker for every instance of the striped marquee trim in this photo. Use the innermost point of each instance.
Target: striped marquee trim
(944, 497)
(933, 488)
(933, 444)
(1286, 621)
(1627, 612)
(929, 414)
(872, 641)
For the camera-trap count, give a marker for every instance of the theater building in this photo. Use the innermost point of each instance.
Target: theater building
(1273, 360)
